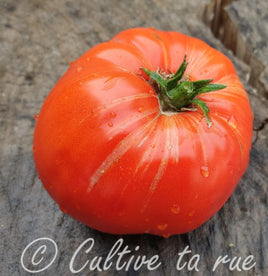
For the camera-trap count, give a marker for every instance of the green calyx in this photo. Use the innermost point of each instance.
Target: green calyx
(176, 93)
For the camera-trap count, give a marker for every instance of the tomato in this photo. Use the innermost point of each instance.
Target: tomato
(113, 157)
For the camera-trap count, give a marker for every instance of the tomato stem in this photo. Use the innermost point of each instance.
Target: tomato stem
(176, 92)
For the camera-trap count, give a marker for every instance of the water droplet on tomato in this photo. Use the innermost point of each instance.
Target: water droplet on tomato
(36, 116)
(80, 83)
(113, 114)
(88, 58)
(110, 124)
(153, 145)
(162, 226)
(121, 213)
(140, 109)
(175, 209)
(204, 171)
(232, 122)
(191, 213)
(166, 235)
(78, 69)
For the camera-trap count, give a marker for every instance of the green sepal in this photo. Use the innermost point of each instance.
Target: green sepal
(209, 88)
(156, 77)
(172, 83)
(201, 83)
(204, 108)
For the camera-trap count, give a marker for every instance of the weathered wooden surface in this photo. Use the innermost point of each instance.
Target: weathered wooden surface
(243, 29)
(38, 39)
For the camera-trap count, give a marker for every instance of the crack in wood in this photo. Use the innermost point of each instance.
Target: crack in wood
(262, 125)
(259, 128)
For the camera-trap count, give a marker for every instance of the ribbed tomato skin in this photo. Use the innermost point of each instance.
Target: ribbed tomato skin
(111, 159)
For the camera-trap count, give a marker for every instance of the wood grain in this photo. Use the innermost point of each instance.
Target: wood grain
(38, 39)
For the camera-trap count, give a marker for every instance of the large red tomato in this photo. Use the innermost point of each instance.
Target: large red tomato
(120, 150)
